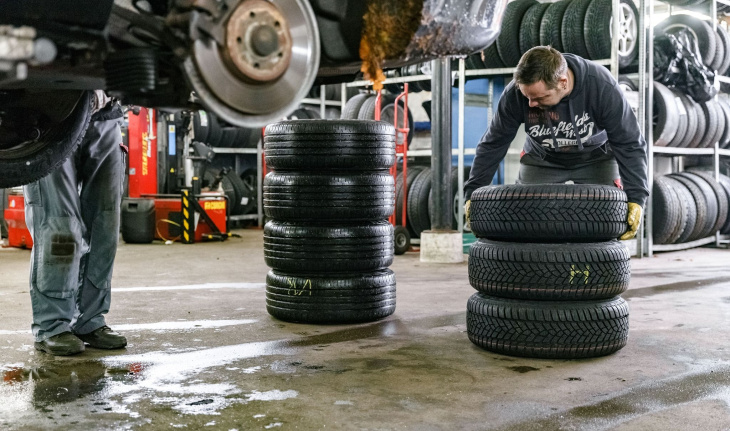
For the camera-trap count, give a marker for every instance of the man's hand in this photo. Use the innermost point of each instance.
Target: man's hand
(467, 213)
(633, 218)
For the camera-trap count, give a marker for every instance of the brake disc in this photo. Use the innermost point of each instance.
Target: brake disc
(262, 66)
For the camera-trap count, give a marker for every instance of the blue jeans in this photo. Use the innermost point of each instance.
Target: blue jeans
(73, 217)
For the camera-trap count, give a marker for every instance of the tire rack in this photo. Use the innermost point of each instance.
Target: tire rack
(646, 100)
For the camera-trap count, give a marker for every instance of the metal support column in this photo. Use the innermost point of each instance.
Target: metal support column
(460, 164)
(441, 145)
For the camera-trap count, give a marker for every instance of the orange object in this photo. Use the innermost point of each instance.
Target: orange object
(18, 233)
(168, 218)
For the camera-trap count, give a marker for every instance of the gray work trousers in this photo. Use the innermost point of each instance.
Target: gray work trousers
(603, 171)
(73, 217)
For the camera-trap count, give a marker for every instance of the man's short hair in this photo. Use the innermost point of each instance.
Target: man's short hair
(541, 63)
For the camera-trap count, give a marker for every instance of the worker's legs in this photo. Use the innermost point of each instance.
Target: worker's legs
(53, 217)
(102, 171)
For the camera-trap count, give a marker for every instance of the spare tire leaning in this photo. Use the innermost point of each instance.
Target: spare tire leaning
(549, 212)
(549, 272)
(548, 329)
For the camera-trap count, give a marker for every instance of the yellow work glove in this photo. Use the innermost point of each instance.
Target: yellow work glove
(467, 213)
(633, 218)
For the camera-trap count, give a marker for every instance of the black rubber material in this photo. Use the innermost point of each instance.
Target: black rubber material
(417, 209)
(665, 115)
(682, 121)
(692, 124)
(413, 172)
(19, 166)
(699, 202)
(315, 145)
(549, 272)
(530, 26)
(720, 196)
(551, 25)
(665, 206)
(710, 200)
(328, 248)
(367, 110)
(706, 39)
(508, 41)
(310, 196)
(352, 107)
(725, 183)
(597, 31)
(724, 45)
(401, 240)
(491, 58)
(549, 212)
(249, 178)
(680, 225)
(239, 199)
(689, 208)
(572, 28)
(321, 299)
(725, 137)
(701, 124)
(545, 329)
(387, 114)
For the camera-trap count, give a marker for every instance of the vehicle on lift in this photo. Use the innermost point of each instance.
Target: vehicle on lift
(249, 61)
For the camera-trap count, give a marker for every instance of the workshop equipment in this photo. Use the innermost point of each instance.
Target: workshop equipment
(142, 136)
(18, 233)
(138, 220)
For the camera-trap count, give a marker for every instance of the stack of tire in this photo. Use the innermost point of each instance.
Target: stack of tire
(211, 131)
(548, 270)
(328, 240)
(581, 27)
(679, 121)
(689, 206)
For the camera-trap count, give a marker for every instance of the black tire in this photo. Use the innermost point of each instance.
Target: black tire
(550, 272)
(706, 39)
(352, 107)
(228, 137)
(725, 183)
(387, 114)
(699, 201)
(549, 212)
(401, 239)
(249, 177)
(367, 110)
(701, 124)
(310, 145)
(681, 222)
(627, 84)
(418, 215)
(665, 205)
(214, 130)
(597, 31)
(328, 248)
(688, 206)
(490, 57)
(572, 28)
(712, 122)
(530, 26)
(296, 196)
(665, 115)
(551, 25)
(692, 123)
(508, 41)
(721, 123)
(232, 185)
(724, 45)
(710, 199)
(725, 137)
(413, 172)
(320, 299)
(543, 329)
(201, 126)
(34, 159)
(682, 120)
(719, 53)
(720, 196)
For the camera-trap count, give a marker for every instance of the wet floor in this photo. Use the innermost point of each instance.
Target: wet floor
(204, 354)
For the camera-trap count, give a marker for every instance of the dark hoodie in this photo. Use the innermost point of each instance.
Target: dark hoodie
(596, 108)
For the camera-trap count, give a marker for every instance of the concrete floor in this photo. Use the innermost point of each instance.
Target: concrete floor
(204, 354)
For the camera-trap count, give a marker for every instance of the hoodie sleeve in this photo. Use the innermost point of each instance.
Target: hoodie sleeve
(496, 141)
(624, 136)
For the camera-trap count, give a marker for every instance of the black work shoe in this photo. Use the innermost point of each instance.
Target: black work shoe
(63, 344)
(103, 338)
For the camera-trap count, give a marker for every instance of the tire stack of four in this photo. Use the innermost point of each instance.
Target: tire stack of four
(328, 242)
(548, 270)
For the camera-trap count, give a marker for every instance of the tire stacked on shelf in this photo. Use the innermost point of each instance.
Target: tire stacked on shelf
(689, 206)
(328, 240)
(548, 270)
(573, 26)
